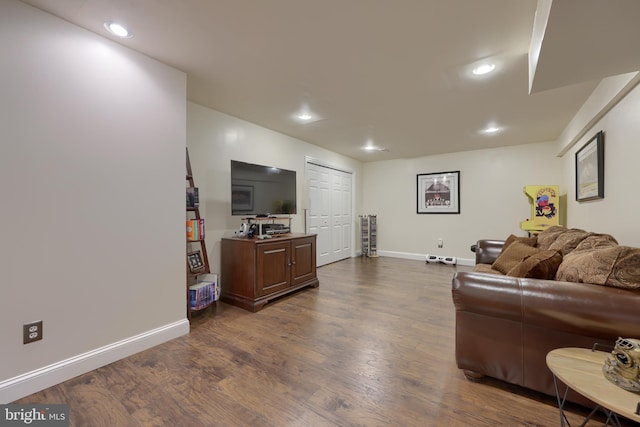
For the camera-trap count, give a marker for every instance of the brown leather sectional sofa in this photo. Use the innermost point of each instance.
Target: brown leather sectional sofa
(506, 325)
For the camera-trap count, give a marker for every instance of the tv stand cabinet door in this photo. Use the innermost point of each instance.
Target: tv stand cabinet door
(303, 268)
(273, 270)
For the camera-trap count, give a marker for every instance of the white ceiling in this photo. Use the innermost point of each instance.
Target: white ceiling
(394, 72)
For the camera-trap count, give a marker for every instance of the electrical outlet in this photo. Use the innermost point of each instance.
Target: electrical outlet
(440, 242)
(32, 332)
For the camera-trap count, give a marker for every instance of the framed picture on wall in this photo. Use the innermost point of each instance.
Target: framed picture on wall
(438, 193)
(590, 169)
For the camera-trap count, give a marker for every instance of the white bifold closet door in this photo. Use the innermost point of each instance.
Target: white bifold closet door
(329, 213)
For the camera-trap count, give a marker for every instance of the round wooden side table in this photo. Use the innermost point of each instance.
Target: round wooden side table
(580, 369)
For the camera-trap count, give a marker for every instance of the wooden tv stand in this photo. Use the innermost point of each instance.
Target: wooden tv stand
(256, 271)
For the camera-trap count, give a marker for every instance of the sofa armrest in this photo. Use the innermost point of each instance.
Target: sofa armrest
(488, 250)
(488, 332)
(487, 294)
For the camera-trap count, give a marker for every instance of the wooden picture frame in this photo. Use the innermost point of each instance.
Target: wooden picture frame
(194, 261)
(438, 193)
(590, 169)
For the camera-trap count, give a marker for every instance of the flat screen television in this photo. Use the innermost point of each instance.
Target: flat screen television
(262, 190)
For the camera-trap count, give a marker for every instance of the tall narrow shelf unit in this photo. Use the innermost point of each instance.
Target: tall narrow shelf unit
(195, 246)
(369, 233)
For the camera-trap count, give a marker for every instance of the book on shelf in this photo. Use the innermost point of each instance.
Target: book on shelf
(204, 293)
(195, 229)
(200, 295)
(191, 230)
(193, 200)
(212, 279)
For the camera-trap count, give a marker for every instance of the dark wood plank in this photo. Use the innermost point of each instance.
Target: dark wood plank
(372, 346)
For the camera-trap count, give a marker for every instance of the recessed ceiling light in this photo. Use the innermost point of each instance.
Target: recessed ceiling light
(305, 116)
(483, 69)
(491, 129)
(118, 30)
(371, 147)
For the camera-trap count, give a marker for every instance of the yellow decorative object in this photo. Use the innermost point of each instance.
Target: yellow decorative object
(545, 203)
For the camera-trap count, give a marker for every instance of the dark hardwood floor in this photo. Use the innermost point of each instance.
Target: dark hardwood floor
(372, 346)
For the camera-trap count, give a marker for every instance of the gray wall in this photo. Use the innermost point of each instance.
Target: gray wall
(92, 217)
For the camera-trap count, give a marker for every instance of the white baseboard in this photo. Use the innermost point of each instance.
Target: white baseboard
(467, 261)
(403, 255)
(39, 379)
(422, 257)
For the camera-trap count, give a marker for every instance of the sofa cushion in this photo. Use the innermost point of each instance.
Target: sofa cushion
(541, 265)
(512, 255)
(485, 268)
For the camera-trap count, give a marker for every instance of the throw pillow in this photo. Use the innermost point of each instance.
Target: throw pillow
(596, 241)
(542, 265)
(514, 254)
(549, 235)
(569, 240)
(529, 241)
(593, 266)
(616, 266)
(626, 269)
